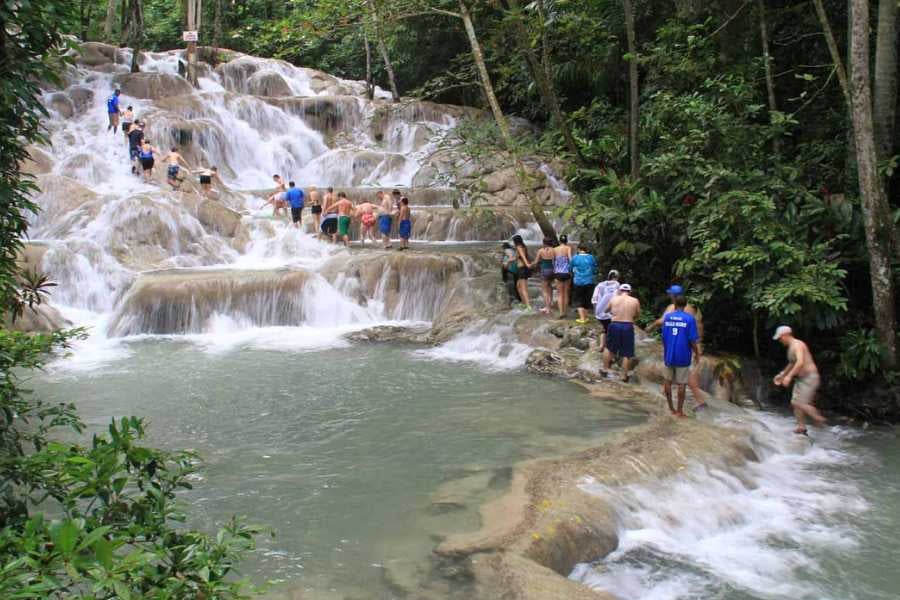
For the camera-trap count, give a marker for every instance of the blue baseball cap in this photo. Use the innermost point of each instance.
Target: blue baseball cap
(675, 290)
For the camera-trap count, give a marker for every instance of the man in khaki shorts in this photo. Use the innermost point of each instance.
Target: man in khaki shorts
(803, 372)
(680, 347)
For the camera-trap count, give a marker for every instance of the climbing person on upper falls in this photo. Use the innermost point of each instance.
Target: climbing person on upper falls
(174, 160)
(112, 110)
(603, 293)
(694, 376)
(405, 227)
(127, 121)
(523, 270)
(315, 207)
(294, 197)
(206, 179)
(620, 340)
(365, 212)
(680, 340)
(344, 209)
(544, 259)
(385, 219)
(135, 139)
(276, 198)
(584, 270)
(147, 157)
(330, 221)
(562, 270)
(396, 197)
(802, 371)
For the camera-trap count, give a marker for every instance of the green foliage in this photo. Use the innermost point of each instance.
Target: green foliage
(861, 355)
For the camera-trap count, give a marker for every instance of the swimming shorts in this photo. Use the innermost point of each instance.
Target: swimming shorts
(523, 273)
(147, 164)
(384, 224)
(405, 229)
(582, 295)
(368, 219)
(316, 209)
(620, 339)
(205, 179)
(677, 375)
(173, 172)
(134, 152)
(329, 225)
(296, 214)
(605, 324)
(343, 225)
(562, 276)
(805, 389)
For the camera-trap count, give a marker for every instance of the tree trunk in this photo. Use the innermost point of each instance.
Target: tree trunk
(537, 210)
(833, 50)
(85, 12)
(194, 11)
(218, 18)
(370, 85)
(540, 70)
(767, 57)
(136, 30)
(876, 212)
(382, 49)
(634, 89)
(885, 101)
(108, 24)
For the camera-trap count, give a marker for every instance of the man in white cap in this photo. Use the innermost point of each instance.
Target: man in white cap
(802, 371)
(620, 340)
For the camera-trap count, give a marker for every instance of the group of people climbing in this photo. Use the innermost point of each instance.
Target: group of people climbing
(572, 275)
(333, 214)
(143, 154)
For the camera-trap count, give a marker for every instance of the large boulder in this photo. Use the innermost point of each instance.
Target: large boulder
(41, 318)
(62, 104)
(152, 86)
(38, 161)
(94, 54)
(268, 83)
(218, 218)
(82, 96)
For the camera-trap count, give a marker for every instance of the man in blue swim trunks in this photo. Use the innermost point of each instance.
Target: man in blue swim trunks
(620, 339)
(385, 219)
(112, 109)
(405, 223)
(295, 199)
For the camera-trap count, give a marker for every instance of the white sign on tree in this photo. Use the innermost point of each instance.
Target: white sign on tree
(190, 36)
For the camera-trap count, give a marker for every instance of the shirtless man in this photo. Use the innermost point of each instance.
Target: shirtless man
(330, 218)
(206, 178)
(276, 198)
(405, 217)
(127, 121)
(803, 372)
(365, 212)
(694, 377)
(135, 139)
(344, 209)
(174, 161)
(385, 219)
(315, 207)
(620, 339)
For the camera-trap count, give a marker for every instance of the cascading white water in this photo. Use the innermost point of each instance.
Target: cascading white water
(762, 530)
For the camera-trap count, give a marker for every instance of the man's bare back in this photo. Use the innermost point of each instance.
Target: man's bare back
(344, 207)
(624, 308)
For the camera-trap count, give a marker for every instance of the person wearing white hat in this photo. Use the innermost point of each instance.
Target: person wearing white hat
(620, 339)
(803, 372)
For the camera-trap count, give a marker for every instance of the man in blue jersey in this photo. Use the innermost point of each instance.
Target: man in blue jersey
(294, 197)
(680, 337)
(112, 109)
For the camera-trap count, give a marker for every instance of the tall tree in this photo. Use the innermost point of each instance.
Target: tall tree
(767, 57)
(110, 18)
(378, 28)
(885, 101)
(85, 13)
(833, 50)
(876, 212)
(540, 71)
(193, 17)
(136, 32)
(633, 91)
(370, 85)
(218, 22)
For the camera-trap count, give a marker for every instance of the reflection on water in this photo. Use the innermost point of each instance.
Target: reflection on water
(347, 452)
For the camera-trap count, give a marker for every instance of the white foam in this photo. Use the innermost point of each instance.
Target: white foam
(492, 347)
(710, 528)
